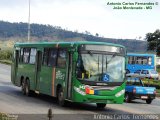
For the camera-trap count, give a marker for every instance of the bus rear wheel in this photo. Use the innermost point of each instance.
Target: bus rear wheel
(23, 87)
(61, 100)
(101, 105)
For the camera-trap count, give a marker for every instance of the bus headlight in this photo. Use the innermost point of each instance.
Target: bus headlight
(120, 93)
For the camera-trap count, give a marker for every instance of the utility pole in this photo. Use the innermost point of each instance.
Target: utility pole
(29, 27)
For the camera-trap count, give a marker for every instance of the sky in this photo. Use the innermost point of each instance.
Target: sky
(94, 16)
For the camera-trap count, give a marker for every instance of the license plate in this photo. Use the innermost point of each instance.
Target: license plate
(144, 97)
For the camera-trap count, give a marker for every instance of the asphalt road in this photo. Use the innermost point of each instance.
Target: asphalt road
(13, 102)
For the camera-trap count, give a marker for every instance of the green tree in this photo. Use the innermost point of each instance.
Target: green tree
(153, 40)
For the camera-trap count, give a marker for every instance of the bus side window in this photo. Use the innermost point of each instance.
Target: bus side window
(61, 58)
(21, 55)
(26, 52)
(16, 57)
(32, 57)
(149, 60)
(52, 57)
(45, 56)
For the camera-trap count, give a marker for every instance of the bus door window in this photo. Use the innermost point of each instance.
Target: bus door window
(61, 58)
(52, 57)
(80, 68)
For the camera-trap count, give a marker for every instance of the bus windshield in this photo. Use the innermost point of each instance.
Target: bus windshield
(101, 67)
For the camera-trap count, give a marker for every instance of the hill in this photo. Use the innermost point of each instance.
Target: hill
(11, 32)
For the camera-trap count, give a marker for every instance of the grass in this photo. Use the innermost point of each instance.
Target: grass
(4, 116)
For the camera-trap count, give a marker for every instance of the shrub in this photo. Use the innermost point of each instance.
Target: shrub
(5, 54)
(152, 83)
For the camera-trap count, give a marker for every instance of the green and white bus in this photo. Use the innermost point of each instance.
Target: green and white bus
(86, 72)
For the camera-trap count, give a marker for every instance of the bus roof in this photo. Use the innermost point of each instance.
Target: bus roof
(66, 43)
(138, 54)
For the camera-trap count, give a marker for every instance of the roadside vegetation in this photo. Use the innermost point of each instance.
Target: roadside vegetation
(153, 83)
(5, 56)
(4, 116)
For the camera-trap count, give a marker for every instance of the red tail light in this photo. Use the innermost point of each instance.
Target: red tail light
(134, 90)
(87, 90)
(154, 92)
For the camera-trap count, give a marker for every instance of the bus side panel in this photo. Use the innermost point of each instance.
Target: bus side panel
(45, 85)
(26, 71)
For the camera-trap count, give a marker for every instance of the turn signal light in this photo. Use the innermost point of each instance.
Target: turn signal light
(89, 91)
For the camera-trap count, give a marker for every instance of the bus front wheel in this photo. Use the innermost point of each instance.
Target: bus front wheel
(61, 100)
(127, 98)
(101, 105)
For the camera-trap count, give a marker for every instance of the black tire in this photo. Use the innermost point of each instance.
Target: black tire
(23, 87)
(101, 105)
(127, 98)
(27, 88)
(60, 96)
(149, 101)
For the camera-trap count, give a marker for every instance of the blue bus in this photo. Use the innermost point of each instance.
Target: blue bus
(140, 61)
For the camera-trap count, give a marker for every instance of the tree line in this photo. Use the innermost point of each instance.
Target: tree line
(48, 33)
(153, 40)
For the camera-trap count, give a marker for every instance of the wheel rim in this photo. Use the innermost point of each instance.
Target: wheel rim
(60, 96)
(27, 90)
(126, 98)
(23, 88)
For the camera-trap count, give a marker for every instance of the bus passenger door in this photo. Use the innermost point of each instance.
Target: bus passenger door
(63, 72)
(69, 76)
(38, 69)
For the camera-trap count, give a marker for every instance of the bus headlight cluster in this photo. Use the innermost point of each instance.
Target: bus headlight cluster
(120, 93)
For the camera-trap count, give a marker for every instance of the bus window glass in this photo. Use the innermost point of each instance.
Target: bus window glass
(52, 57)
(61, 58)
(144, 60)
(139, 60)
(149, 61)
(21, 55)
(94, 67)
(133, 60)
(26, 55)
(32, 56)
(45, 56)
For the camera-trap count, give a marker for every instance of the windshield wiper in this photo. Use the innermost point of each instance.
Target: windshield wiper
(90, 53)
(111, 58)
